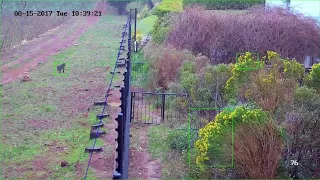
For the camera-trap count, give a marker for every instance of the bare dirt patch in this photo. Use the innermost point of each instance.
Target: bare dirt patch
(142, 166)
(42, 124)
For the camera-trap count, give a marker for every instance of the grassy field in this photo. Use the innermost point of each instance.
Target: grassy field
(145, 25)
(44, 121)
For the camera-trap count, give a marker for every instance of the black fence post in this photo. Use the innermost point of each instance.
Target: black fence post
(119, 150)
(130, 35)
(135, 29)
(135, 23)
(132, 106)
(163, 107)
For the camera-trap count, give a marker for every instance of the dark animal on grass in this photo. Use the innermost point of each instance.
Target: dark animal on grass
(61, 67)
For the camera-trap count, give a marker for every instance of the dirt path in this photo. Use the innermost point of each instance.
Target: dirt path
(141, 164)
(48, 47)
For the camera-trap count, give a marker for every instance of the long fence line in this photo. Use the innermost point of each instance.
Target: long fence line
(123, 128)
(123, 119)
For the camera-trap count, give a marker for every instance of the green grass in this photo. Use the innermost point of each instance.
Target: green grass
(172, 162)
(158, 145)
(41, 99)
(145, 25)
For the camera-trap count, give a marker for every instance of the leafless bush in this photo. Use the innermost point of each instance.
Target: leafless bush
(165, 63)
(221, 35)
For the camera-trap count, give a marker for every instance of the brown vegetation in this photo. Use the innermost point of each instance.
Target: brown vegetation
(165, 62)
(257, 150)
(220, 36)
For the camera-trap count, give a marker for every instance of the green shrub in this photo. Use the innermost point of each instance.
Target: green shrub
(182, 139)
(161, 35)
(161, 27)
(189, 79)
(211, 144)
(224, 4)
(306, 96)
(241, 72)
(293, 69)
(143, 13)
(167, 6)
(188, 67)
(313, 79)
(205, 88)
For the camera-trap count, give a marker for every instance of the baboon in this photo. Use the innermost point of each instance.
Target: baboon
(61, 67)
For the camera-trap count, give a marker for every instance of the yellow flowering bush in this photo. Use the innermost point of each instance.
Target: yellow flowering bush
(211, 137)
(293, 69)
(240, 74)
(272, 56)
(272, 88)
(282, 72)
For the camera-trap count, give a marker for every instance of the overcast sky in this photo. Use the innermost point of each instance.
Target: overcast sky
(307, 7)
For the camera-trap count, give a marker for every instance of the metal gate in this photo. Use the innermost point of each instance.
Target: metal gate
(156, 108)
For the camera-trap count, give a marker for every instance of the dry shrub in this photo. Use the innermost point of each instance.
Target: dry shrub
(269, 90)
(201, 63)
(221, 35)
(165, 63)
(257, 150)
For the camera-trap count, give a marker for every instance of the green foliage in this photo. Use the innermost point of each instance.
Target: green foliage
(205, 88)
(213, 73)
(244, 67)
(211, 138)
(188, 67)
(313, 79)
(161, 35)
(161, 29)
(135, 4)
(248, 71)
(189, 78)
(182, 139)
(306, 96)
(211, 86)
(167, 6)
(224, 4)
(140, 69)
(143, 13)
(293, 69)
